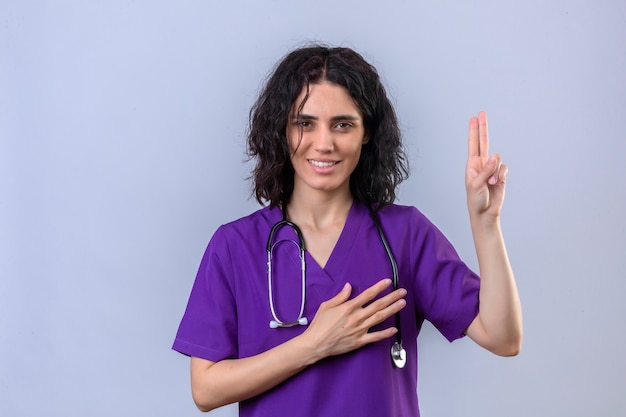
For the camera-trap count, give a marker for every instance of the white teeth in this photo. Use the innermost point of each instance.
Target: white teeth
(322, 164)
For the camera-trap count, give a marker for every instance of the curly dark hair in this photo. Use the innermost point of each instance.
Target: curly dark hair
(382, 164)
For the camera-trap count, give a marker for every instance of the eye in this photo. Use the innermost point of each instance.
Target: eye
(344, 125)
(303, 124)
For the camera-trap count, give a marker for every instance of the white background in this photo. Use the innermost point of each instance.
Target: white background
(122, 139)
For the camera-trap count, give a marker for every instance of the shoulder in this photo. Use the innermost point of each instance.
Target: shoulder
(408, 222)
(397, 213)
(261, 215)
(244, 231)
(258, 221)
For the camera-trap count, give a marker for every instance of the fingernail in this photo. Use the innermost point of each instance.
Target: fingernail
(492, 180)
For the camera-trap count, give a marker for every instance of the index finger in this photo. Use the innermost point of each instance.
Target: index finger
(473, 146)
(370, 293)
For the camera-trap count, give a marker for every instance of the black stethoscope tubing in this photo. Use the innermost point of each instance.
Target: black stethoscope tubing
(398, 354)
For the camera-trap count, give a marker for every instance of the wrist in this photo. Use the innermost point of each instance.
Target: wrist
(485, 221)
(306, 350)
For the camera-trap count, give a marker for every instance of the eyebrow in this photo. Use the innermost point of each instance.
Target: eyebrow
(334, 118)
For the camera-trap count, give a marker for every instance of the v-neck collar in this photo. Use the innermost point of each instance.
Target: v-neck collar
(335, 270)
(338, 259)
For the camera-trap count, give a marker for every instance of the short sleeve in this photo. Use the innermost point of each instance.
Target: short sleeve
(208, 328)
(446, 288)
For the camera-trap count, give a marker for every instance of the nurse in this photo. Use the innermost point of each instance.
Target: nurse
(328, 152)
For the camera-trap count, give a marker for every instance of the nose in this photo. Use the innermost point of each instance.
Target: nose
(324, 141)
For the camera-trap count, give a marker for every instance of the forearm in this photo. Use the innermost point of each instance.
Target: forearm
(339, 326)
(500, 313)
(215, 384)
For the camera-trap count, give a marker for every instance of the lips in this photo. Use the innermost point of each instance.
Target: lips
(322, 164)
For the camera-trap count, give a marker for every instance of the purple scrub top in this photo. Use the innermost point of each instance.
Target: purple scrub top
(228, 312)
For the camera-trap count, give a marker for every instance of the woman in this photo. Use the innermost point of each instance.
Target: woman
(328, 160)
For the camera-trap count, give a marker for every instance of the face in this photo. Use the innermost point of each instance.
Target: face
(332, 132)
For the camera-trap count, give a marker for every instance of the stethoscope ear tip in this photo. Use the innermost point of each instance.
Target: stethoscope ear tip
(302, 321)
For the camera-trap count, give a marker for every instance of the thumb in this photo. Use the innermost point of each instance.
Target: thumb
(341, 297)
(486, 174)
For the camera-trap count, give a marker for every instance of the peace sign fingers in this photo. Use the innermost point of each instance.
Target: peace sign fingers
(478, 140)
(484, 175)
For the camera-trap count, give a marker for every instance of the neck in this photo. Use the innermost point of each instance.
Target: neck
(319, 212)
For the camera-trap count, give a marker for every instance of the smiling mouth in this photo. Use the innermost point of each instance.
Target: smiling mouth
(321, 164)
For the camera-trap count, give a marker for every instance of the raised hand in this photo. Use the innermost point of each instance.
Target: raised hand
(485, 176)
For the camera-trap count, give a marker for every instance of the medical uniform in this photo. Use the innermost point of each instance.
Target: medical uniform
(228, 313)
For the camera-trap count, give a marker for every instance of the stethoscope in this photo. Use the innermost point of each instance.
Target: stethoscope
(398, 353)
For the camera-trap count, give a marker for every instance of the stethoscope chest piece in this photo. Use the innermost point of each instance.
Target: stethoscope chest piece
(398, 355)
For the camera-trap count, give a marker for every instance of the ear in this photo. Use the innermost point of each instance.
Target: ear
(366, 139)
